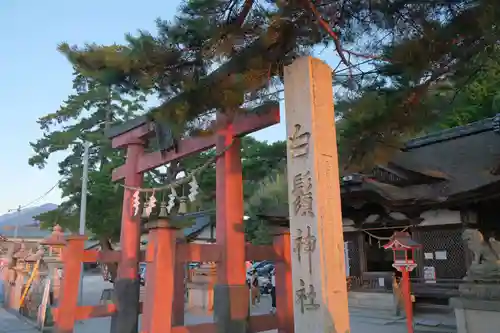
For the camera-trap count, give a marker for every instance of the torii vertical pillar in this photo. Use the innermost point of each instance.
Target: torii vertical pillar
(231, 291)
(318, 268)
(127, 287)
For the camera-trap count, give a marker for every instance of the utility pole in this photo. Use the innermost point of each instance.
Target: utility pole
(83, 203)
(16, 227)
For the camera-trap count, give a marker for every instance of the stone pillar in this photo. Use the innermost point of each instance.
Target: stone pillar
(17, 290)
(318, 268)
(55, 276)
(476, 315)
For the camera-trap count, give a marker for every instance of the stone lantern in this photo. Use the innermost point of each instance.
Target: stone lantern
(55, 242)
(403, 248)
(20, 257)
(54, 246)
(18, 273)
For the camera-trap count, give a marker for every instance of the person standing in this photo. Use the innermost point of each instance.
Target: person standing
(398, 297)
(255, 288)
(273, 291)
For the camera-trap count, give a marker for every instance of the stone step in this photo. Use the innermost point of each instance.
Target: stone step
(435, 325)
(425, 329)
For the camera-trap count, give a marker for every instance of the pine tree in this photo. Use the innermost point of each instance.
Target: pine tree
(410, 46)
(84, 117)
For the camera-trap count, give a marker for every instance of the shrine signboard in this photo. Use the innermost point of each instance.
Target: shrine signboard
(318, 268)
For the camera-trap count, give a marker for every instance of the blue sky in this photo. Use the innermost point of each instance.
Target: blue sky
(35, 78)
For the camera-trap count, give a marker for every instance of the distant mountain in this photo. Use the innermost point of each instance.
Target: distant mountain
(25, 217)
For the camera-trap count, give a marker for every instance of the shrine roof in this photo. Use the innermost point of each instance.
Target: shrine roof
(453, 165)
(448, 167)
(401, 239)
(201, 221)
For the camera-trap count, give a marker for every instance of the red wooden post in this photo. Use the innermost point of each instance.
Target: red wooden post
(127, 284)
(179, 294)
(231, 296)
(68, 300)
(407, 299)
(160, 280)
(284, 289)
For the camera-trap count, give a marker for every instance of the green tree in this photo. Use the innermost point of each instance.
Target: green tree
(258, 159)
(270, 197)
(369, 133)
(409, 46)
(84, 117)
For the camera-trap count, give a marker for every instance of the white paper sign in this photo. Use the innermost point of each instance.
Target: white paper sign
(441, 255)
(381, 282)
(429, 255)
(429, 274)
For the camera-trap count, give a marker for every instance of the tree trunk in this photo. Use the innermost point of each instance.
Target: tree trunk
(112, 268)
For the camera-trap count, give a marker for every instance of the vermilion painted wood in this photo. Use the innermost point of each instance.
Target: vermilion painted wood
(123, 140)
(190, 252)
(150, 255)
(260, 323)
(101, 256)
(92, 311)
(261, 252)
(200, 328)
(160, 287)
(128, 267)
(284, 289)
(163, 251)
(407, 299)
(229, 213)
(68, 300)
(130, 225)
(185, 253)
(242, 125)
(179, 294)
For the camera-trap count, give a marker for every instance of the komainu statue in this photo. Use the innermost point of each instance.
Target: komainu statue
(483, 276)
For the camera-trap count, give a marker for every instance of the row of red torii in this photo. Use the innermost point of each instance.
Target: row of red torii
(309, 100)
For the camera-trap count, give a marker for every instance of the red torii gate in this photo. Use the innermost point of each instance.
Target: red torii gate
(164, 305)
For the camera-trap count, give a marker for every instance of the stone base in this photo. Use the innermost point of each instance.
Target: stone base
(200, 297)
(383, 302)
(126, 296)
(231, 317)
(482, 290)
(476, 315)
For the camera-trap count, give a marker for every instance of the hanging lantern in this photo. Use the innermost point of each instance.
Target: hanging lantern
(182, 205)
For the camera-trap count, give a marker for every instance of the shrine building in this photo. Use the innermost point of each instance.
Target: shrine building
(433, 188)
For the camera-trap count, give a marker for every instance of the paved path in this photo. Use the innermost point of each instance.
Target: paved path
(362, 321)
(9, 323)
